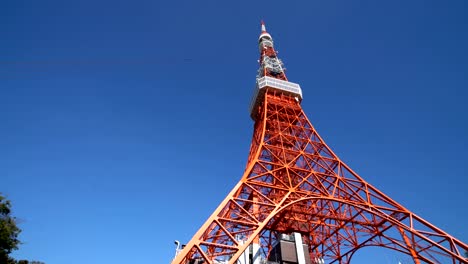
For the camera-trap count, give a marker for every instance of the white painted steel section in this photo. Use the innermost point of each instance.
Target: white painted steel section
(264, 44)
(244, 258)
(299, 248)
(256, 258)
(269, 82)
(264, 34)
(320, 261)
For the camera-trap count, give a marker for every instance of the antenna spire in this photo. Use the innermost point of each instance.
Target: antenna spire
(263, 26)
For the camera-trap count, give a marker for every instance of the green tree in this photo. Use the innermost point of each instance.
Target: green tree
(28, 262)
(9, 231)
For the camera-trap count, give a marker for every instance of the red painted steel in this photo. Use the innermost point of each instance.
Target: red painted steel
(294, 182)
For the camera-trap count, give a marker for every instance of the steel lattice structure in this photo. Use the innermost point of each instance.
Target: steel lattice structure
(294, 182)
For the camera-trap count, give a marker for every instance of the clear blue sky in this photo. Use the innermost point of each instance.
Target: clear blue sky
(123, 124)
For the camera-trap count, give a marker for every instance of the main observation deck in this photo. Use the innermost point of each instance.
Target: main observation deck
(288, 88)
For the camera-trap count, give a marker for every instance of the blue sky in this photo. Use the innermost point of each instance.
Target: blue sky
(123, 124)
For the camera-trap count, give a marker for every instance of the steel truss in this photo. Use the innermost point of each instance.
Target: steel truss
(294, 182)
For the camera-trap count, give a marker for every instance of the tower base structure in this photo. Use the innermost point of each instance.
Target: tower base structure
(288, 249)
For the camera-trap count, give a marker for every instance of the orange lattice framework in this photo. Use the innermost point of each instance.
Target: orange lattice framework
(294, 182)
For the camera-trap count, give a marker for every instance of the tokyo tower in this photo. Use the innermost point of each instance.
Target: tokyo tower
(297, 202)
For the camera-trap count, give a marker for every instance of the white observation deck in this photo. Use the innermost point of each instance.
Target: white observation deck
(289, 88)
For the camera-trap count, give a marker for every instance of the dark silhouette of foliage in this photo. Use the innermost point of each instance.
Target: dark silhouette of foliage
(9, 231)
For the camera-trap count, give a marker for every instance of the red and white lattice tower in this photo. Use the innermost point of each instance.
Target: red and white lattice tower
(295, 189)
